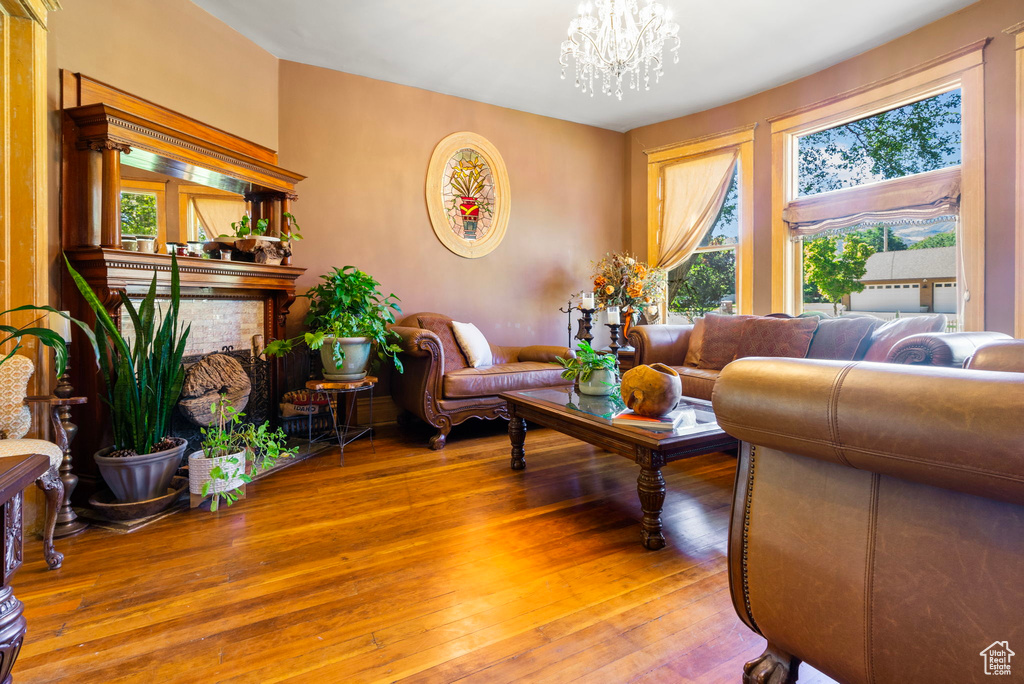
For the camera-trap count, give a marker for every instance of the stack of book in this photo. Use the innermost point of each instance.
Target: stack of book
(680, 418)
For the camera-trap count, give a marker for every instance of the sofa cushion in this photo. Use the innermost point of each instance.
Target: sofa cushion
(697, 382)
(840, 338)
(442, 327)
(501, 377)
(696, 340)
(473, 344)
(789, 337)
(721, 339)
(885, 337)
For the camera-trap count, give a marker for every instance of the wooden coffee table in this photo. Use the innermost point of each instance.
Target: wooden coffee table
(583, 417)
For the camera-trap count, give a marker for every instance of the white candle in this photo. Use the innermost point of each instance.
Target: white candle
(613, 315)
(61, 325)
(588, 302)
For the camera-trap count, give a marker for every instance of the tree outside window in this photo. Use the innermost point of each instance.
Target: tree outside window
(138, 213)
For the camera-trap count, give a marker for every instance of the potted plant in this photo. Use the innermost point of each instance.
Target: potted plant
(143, 381)
(219, 467)
(594, 372)
(244, 229)
(347, 316)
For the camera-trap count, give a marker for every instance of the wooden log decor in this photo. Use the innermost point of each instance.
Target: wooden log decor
(204, 383)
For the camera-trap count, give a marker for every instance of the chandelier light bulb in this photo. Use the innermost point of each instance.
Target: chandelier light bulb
(621, 39)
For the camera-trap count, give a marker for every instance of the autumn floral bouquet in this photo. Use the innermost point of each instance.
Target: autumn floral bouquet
(623, 281)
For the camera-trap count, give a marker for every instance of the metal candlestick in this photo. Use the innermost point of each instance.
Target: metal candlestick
(586, 324)
(614, 346)
(568, 326)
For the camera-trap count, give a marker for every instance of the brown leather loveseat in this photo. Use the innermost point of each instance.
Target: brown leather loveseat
(878, 516)
(910, 340)
(440, 387)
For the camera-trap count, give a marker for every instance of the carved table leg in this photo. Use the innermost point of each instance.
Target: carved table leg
(651, 488)
(68, 522)
(12, 631)
(517, 435)
(53, 487)
(772, 667)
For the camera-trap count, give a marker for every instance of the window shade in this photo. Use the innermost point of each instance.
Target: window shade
(914, 198)
(217, 214)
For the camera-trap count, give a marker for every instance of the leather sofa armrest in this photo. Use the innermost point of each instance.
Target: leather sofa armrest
(999, 355)
(545, 353)
(660, 343)
(504, 354)
(414, 341)
(945, 427)
(940, 349)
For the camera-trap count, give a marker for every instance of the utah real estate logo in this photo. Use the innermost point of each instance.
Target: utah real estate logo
(997, 658)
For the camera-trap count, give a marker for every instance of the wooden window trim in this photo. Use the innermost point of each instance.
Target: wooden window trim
(658, 158)
(160, 190)
(1017, 31)
(963, 69)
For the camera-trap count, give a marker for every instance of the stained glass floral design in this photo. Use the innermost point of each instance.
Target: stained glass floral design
(468, 194)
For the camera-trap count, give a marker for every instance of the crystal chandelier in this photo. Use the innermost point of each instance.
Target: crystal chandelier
(617, 39)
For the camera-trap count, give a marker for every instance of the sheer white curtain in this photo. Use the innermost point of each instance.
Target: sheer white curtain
(693, 192)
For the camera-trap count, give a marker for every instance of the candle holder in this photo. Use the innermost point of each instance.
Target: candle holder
(586, 325)
(614, 345)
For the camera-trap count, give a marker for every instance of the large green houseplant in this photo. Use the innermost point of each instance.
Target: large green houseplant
(142, 377)
(348, 316)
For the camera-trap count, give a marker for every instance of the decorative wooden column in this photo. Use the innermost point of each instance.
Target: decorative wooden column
(103, 191)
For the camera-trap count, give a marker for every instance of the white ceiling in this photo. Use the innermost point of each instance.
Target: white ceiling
(505, 52)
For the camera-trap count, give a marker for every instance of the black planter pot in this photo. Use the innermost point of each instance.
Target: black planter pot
(142, 477)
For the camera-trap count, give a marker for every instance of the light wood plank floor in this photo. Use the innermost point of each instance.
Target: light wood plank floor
(409, 565)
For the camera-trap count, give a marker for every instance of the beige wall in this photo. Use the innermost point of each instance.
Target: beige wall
(176, 55)
(981, 20)
(366, 144)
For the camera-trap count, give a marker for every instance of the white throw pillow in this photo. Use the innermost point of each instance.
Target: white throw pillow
(474, 344)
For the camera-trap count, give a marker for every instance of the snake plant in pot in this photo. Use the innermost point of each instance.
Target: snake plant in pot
(142, 377)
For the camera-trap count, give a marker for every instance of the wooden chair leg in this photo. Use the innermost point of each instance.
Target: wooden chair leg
(438, 441)
(774, 666)
(53, 488)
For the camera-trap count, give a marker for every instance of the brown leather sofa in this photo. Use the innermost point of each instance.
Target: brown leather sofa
(439, 387)
(877, 528)
(669, 344)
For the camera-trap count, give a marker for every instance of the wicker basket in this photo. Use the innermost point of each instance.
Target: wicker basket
(199, 468)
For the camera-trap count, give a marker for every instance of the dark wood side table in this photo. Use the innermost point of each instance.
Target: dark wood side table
(64, 431)
(16, 473)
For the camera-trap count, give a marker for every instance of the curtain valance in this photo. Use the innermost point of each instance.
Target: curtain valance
(911, 199)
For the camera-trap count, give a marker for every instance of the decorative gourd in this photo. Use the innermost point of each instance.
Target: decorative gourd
(651, 391)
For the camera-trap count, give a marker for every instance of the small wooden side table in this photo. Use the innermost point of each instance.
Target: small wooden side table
(16, 473)
(64, 431)
(334, 391)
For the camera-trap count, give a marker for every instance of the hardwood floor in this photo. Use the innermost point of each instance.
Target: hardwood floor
(406, 564)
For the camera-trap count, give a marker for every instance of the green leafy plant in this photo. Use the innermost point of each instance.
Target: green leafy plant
(586, 361)
(245, 228)
(143, 378)
(347, 303)
(836, 272)
(231, 439)
(47, 337)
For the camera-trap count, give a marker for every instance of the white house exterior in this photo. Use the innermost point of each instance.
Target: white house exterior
(909, 281)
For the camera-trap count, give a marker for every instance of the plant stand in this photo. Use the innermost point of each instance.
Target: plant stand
(334, 391)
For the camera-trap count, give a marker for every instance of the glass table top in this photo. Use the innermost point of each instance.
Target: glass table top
(697, 415)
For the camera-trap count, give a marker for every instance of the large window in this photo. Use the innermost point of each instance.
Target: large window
(878, 196)
(706, 281)
(700, 222)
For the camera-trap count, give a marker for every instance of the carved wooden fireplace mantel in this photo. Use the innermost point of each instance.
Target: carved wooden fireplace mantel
(104, 129)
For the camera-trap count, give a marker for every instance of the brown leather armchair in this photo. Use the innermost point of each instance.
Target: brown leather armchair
(439, 387)
(877, 529)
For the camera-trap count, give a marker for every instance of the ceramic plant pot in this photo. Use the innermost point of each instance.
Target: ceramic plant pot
(356, 358)
(142, 477)
(199, 468)
(600, 383)
(651, 391)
